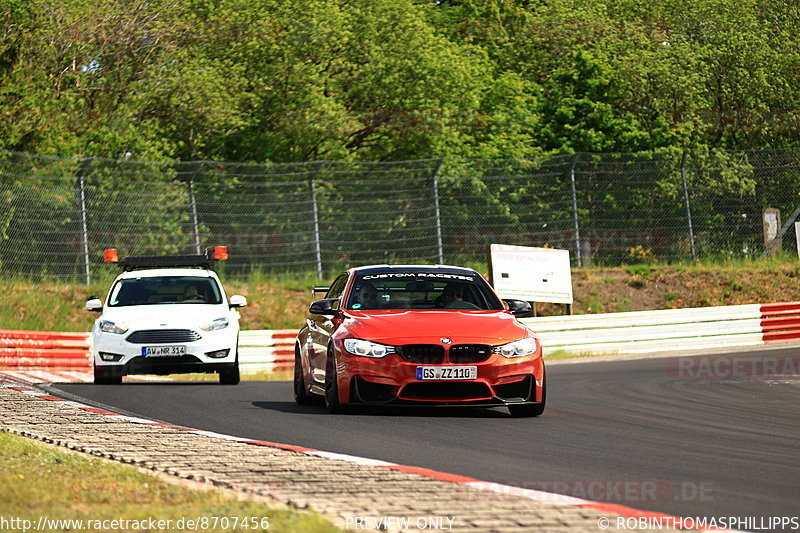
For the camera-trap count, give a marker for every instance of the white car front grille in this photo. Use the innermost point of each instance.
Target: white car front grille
(151, 336)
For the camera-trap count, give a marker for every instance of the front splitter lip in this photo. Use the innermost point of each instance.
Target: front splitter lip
(398, 402)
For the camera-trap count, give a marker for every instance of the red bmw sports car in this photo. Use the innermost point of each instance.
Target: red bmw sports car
(433, 335)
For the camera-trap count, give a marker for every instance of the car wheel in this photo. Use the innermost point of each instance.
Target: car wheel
(105, 377)
(301, 396)
(528, 410)
(331, 385)
(230, 376)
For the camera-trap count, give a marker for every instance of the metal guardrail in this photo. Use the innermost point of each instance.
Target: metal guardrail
(266, 349)
(670, 329)
(36, 349)
(609, 333)
(258, 349)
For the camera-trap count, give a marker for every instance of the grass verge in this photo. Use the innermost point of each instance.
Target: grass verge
(564, 354)
(38, 480)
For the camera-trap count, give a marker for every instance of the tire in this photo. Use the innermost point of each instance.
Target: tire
(528, 410)
(331, 385)
(301, 396)
(231, 376)
(106, 377)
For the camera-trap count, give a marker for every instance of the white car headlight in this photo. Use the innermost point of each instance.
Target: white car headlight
(216, 324)
(110, 327)
(518, 348)
(367, 348)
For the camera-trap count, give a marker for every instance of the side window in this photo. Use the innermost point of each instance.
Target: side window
(336, 289)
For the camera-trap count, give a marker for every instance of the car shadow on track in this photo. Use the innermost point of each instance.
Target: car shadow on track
(389, 410)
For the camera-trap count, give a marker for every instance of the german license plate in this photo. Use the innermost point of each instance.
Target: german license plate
(163, 351)
(447, 372)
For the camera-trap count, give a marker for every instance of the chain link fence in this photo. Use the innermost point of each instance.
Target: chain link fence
(59, 214)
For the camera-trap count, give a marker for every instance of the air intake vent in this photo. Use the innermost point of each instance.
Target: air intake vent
(158, 336)
(443, 390)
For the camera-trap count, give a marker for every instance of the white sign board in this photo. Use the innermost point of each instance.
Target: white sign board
(531, 274)
(797, 236)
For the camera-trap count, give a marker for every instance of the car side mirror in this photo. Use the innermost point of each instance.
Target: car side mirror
(519, 307)
(237, 301)
(324, 307)
(94, 304)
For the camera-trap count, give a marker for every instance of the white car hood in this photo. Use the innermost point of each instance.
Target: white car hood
(173, 316)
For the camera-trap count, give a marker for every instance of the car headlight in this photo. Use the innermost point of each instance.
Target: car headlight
(110, 327)
(367, 348)
(216, 324)
(518, 348)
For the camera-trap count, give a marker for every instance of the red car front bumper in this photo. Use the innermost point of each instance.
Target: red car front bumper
(393, 379)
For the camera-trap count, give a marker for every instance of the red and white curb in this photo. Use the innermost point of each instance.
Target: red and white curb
(472, 483)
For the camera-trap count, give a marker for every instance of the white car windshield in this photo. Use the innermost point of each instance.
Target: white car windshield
(165, 290)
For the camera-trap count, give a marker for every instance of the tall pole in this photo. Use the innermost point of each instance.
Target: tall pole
(193, 206)
(439, 247)
(315, 213)
(84, 228)
(688, 206)
(575, 210)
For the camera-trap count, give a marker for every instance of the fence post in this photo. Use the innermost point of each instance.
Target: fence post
(193, 207)
(82, 204)
(315, 214)
(439, 247)
(774, 242)
(575, 210)
(688, 206)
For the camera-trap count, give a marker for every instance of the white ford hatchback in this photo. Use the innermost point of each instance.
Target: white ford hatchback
(166, 315)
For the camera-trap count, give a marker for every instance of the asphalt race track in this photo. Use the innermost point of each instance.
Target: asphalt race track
(631, 432)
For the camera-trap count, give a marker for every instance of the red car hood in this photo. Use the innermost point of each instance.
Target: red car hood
(462, 327)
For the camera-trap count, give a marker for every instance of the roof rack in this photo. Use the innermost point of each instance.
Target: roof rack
(138, 262)
(165, 261)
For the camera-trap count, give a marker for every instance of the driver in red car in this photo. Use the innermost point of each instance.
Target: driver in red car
(452, 292)
(367, 296)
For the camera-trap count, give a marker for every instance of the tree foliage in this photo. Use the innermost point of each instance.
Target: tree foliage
(257, 80)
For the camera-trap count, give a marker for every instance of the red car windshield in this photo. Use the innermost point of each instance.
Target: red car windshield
(421, 292)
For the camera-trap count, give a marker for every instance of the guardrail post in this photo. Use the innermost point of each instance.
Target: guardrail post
(82, 205)
(688, 206)
(439, 247)
(315, 215)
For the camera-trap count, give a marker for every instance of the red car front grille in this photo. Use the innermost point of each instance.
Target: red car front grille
(469, 353)
(426, 354)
